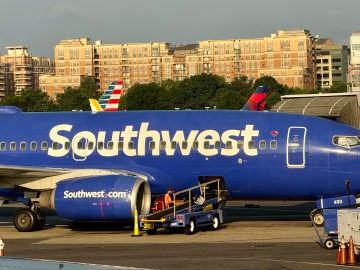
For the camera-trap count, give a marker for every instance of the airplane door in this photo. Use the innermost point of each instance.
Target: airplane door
(81, 152)
(295, 147)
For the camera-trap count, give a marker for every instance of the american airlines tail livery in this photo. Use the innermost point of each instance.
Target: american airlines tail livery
(102, 166)
(109, 101)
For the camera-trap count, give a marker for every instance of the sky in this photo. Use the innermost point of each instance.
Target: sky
(39, 24)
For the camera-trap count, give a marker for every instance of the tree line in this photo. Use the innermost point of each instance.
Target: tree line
(196, 92)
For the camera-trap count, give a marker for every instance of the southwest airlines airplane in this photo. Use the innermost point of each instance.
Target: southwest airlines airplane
(101, 166)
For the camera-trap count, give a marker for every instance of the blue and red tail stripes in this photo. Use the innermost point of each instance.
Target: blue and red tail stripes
(109, 101)
(257, 100)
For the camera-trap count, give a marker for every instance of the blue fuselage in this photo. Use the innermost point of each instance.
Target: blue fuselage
(260, 155)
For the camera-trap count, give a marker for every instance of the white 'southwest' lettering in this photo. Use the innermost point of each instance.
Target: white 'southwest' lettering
(136, 143)
(60, 151)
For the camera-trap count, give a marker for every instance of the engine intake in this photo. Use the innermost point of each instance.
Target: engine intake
(109, 197)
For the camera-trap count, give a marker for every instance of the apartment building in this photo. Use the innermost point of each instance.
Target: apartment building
(2, 80)
(354, 67)
(22, 70)
(332, 62)
(289, 56)
(74, 59)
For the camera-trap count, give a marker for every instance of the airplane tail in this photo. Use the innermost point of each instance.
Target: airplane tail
(95, 106)
(257, 100)
(110, 100)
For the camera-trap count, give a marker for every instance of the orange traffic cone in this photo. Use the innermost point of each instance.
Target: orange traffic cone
(351, 259)
(2, 250)
(338, 255)
(342, 260)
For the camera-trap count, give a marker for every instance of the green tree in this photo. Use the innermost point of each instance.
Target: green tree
(196, 92)
(31, 100)
(337, 87)
(234, 94)
(78, 98)
(150, 96)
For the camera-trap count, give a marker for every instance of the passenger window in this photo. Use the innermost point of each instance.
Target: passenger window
(23, 146)
(217, 145)
(273, 144)
(151, 145)
(12, 146)
(240, 145)
(251, 145)
(120, 145)
(2, 146)
(44, 146)
(90, 146)
(110, 145)
(55, 145)
(100, 145)
(195, 145)
(206, 145)
(184, 145)
(262, 144)
(67, 145)
(162, 145)
(228, 145)
(131, 145)
(173, 145)
(33, 146)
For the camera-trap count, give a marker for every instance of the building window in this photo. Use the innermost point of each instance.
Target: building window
(285, 45)
(301, 45)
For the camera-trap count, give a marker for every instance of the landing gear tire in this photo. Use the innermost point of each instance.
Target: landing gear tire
(191, 228)
(25, 221)
(318, 218)
(215, 223)
(330, 244)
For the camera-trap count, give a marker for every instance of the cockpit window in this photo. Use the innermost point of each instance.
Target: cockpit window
(346, 141)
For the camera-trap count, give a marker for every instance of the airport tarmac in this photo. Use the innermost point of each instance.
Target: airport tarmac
(263, 235)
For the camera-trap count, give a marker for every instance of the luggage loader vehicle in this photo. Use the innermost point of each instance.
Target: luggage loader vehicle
(195, 207)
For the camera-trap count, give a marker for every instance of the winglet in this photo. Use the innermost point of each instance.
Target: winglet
(256, 101)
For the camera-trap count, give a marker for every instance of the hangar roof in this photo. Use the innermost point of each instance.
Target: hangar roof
(325, 105)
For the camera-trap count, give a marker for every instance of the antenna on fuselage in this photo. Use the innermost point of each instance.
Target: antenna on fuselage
(347, 185)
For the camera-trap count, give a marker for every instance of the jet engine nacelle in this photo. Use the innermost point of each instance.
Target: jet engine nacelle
(110, 197)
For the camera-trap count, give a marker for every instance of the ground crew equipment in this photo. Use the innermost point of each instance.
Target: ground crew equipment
(136, 224)
(194, 207)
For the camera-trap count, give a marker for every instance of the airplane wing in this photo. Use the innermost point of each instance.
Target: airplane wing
(46, 178)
